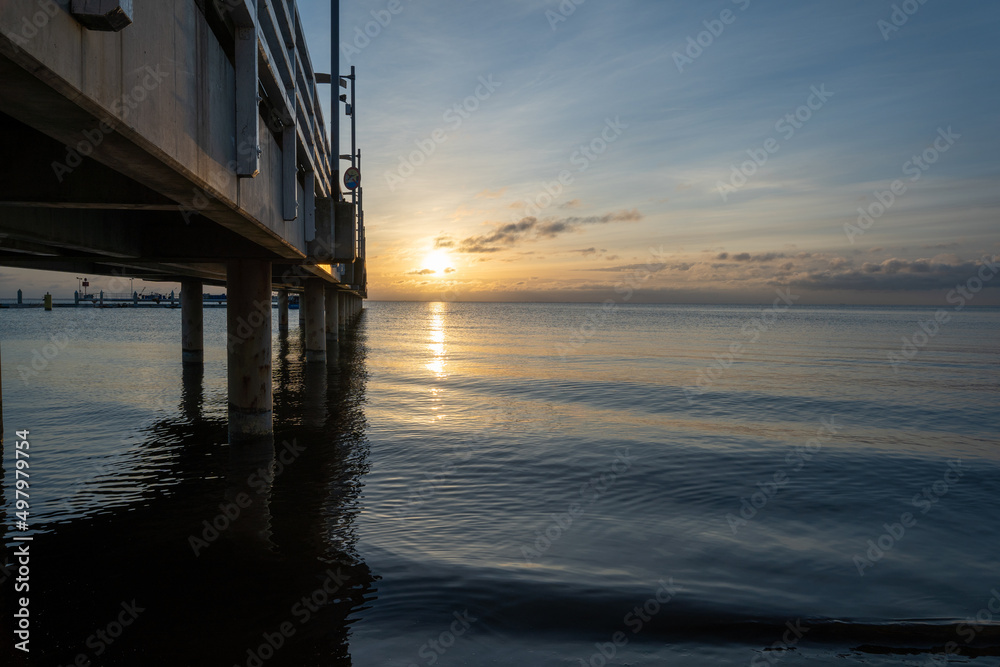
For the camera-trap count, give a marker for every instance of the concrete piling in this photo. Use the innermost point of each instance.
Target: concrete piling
(283, 310)
(332, 317)
(248, 322)
(48, 301)
(192, 322)
(314, 302)
(342, 313)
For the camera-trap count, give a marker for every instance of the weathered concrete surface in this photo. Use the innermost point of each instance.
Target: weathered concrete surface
(248, 319)
(192, 322)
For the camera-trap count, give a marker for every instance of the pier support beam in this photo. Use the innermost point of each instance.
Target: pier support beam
(332, 317)
(342, 314)
(248, 323)
(314, 301)
(283, 310)
(192, 323)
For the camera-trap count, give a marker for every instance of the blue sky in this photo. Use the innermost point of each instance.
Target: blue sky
(688, 123)
(463, 193)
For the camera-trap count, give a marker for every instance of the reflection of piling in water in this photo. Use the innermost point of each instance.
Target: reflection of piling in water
(314, 395)
(249, 480)
(192, 391)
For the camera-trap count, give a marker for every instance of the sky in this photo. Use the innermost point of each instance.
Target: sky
(674, 151)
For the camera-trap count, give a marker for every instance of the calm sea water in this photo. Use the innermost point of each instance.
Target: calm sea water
(515, 484)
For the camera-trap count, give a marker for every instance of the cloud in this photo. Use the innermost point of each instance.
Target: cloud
(421, 272)
(586, 251)
(529, 229)
(491, 194)
(449, 270)
(747, 257)
(894, 275)
(444, 241)
(572, 203)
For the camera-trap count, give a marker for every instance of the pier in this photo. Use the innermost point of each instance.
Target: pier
(183, 141)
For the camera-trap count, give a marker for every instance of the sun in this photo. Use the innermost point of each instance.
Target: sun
(437, 261)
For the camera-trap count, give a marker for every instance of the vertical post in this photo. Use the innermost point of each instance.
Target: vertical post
(248, 322)
(102, 300)
(4, 572)
(335, 94)
(315, 320)
(192, 322)
(342, 314)
(20, 297)
(354, 138)
(1, 430)
(48, 300)
(332, 317)
(283, 310)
